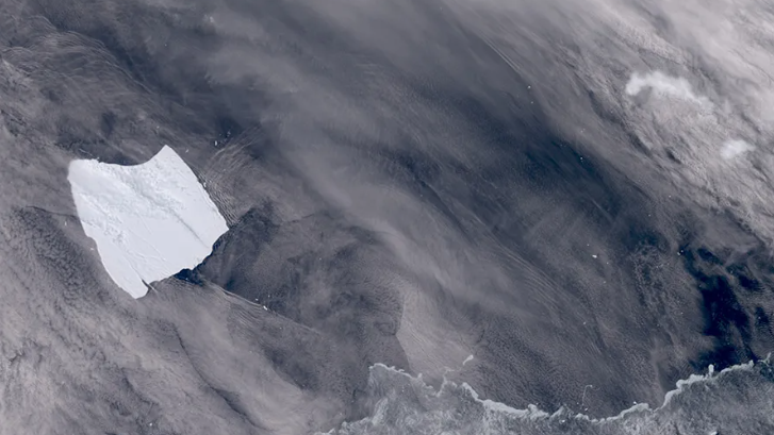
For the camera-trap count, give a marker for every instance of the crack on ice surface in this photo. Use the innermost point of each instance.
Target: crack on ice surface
(736, 398)
(149, 221)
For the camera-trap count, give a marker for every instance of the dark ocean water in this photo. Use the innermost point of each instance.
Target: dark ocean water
(406, 184)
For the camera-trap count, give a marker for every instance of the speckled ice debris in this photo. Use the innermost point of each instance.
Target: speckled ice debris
(149, 221)
(699, 405)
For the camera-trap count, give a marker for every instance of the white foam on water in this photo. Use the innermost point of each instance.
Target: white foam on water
(149, 221)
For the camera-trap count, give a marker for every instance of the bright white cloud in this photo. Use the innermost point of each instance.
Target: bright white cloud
(734, 148)
(148, 221)
(665, 85)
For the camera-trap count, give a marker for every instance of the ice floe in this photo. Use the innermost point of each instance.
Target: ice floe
(148, 221)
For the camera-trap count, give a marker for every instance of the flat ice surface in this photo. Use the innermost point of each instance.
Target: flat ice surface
(149, 221)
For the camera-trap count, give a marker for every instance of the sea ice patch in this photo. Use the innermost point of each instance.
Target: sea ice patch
(149, 221)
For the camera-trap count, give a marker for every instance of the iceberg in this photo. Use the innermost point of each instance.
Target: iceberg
(149, 221)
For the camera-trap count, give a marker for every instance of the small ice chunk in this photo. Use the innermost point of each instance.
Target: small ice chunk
(148, 221)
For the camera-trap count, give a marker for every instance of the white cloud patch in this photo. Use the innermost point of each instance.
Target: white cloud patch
(664, 85)
(735, 148)
(148, 221)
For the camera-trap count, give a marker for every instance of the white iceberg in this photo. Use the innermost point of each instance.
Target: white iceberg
(149, 221)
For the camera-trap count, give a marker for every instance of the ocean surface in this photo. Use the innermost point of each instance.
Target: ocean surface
(577, 194)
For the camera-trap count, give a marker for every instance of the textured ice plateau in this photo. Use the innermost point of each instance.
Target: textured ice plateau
(149, 221)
